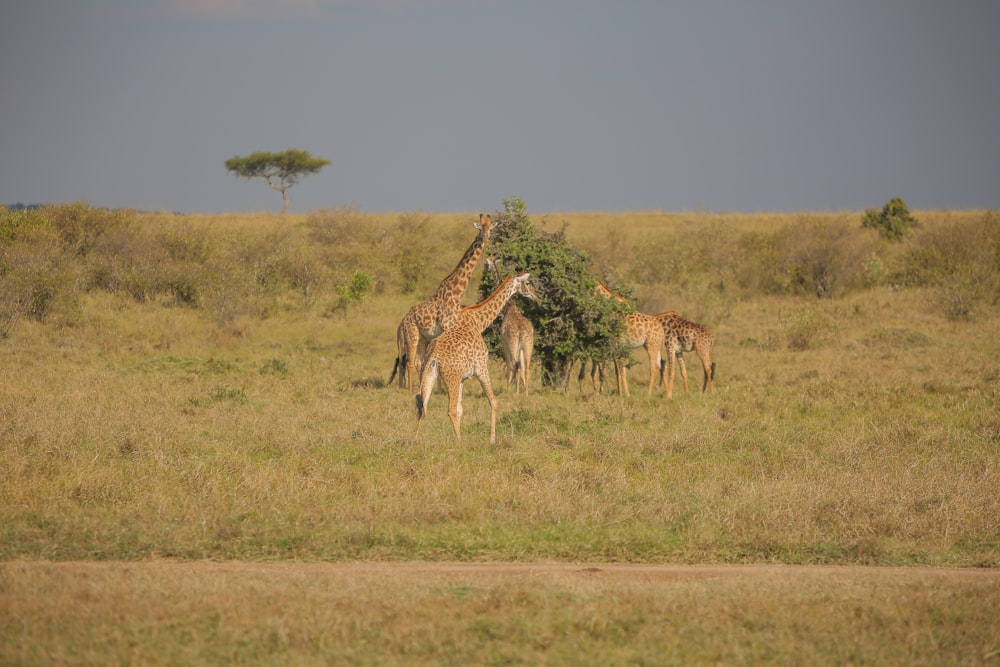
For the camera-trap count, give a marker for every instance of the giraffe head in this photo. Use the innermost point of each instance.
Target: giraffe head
(485, 222)
(525, 288)
(603, 290)
(491, 266)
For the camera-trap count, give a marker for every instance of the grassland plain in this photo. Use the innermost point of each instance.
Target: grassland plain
(168, 434)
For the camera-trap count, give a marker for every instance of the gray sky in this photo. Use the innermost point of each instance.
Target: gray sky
(453, 105)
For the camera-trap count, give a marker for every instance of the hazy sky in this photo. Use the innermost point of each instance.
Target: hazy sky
(453, 105)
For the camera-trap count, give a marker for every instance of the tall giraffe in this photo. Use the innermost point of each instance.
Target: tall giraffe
(460, 353)
(641, 330)
(517, 338)
(682, 335)
(425, 321)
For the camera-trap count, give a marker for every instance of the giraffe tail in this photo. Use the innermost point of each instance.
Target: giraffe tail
(712, 376)
(428, 376)
(395, 367)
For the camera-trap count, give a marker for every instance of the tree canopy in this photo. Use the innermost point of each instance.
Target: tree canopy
(571, 321)
(279, 170)
(892, 222)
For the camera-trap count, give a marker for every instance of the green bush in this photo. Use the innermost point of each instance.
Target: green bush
(353, 292)
(14, 223)
(892, 222)
(571, 321)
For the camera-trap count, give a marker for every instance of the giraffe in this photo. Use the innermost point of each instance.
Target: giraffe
(596, 375)
(517, 339)
(682, 335)
(641, 330)
(426, 320)
(460, 353)
(596, 365)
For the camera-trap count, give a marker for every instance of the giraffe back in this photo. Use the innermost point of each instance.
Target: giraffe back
(685, 334)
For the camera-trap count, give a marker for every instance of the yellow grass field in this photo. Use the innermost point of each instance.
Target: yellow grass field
(202, 462)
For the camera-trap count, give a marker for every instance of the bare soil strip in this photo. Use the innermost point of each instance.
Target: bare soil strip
(649, 572)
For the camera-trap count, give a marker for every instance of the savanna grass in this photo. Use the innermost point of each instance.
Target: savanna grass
(860, 427)
(176, 391)
(367, 614)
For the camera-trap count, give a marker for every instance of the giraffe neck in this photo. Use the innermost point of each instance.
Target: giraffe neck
(483, 313)
(608, 293)
(491, 266)
(452, 288)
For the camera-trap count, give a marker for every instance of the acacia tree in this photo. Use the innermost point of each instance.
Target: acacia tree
(571, 321)
(279, 170)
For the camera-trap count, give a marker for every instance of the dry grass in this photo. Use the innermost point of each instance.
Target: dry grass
(366, 614)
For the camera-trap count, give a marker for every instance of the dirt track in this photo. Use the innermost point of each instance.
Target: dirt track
(646, 572)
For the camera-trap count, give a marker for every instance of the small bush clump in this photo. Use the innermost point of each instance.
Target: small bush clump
(892, 222)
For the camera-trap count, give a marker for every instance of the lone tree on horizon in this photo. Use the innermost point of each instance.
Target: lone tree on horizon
(279, 170)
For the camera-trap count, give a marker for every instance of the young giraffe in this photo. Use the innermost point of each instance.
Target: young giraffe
(596, 366)
(641, 330)
(682, 335)
(460, 353)
(425, 321)
(517, 339)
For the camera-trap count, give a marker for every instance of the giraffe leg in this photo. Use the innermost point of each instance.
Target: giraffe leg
(670, 373)
(509, 362)
(526, 366)
(427, 379)
(684, 373)
(411, 338)
(517, 369)
(621, 373)
(518, 377)
(455, 406)
(400, 356)
(484, 380)
(654, 364)
(420, 357)
(709, 367)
